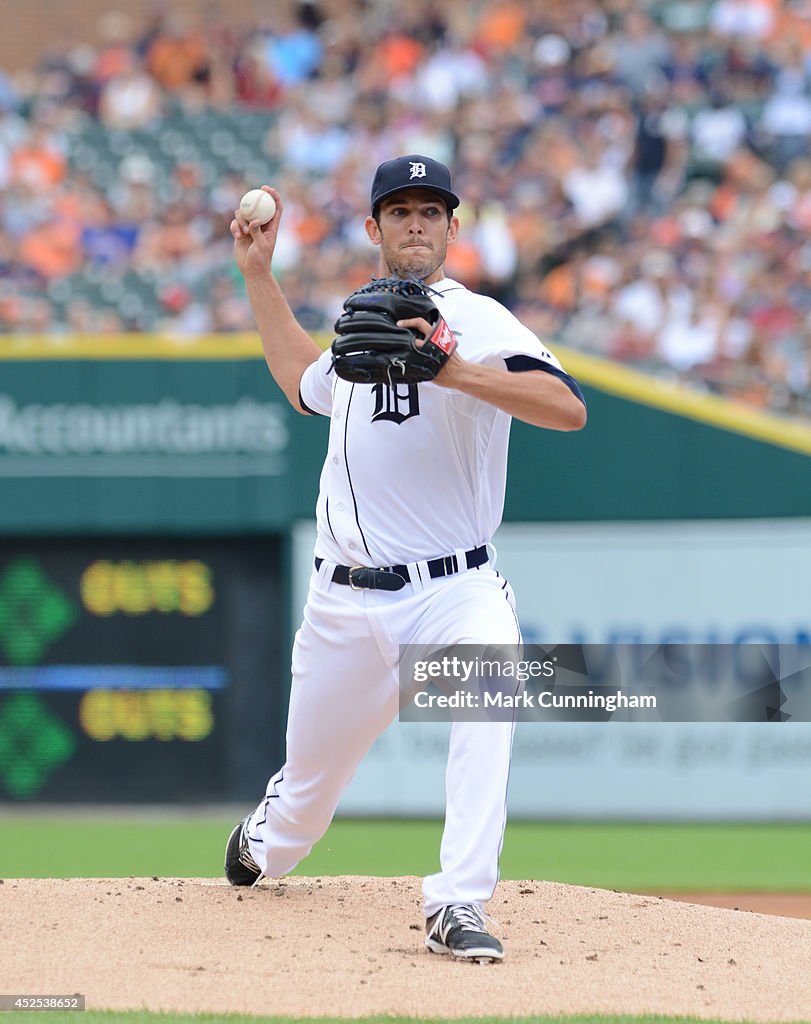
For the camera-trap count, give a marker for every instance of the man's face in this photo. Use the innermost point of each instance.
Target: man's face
(413, 234)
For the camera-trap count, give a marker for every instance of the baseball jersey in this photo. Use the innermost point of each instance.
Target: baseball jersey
(418, 471)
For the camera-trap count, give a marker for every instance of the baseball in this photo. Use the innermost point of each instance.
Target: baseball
(257, 205)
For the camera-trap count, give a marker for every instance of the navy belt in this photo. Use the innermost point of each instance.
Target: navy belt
(395, 577)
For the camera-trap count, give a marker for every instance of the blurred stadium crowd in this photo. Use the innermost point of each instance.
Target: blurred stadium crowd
(636, 178)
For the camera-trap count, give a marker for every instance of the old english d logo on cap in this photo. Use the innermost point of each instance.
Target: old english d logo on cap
(413, 171)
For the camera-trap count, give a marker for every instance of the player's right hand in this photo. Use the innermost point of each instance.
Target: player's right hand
(254, 243)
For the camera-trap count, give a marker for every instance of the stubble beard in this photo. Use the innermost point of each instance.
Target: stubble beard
(400, 264)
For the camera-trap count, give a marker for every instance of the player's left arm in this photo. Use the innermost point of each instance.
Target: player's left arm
(540, 397)
(543, 397)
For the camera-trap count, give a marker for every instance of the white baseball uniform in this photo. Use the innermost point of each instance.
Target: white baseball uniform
(412, 474)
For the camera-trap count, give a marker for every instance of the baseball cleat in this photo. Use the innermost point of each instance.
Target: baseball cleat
(240, 867)
(459, 930)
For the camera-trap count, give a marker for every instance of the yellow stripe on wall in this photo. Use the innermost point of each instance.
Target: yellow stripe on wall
(130, 346)
(669, 396)
(606, 376)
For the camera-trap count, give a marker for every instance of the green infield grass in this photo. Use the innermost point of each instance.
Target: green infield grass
(623, 856)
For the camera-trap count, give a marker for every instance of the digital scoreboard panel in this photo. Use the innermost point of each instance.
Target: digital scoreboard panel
(140, 669)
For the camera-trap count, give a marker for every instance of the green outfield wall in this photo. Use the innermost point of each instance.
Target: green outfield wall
(148, 435)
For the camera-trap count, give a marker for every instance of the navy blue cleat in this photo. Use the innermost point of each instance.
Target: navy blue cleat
(460, 931)
(240, 867)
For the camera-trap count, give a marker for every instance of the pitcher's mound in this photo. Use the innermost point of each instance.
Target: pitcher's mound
(354, 946)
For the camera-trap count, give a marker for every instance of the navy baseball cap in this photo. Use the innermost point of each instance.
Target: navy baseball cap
(413, 171)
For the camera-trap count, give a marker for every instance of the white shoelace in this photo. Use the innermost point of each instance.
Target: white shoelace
(468, 916)
(245, 856)
(247, 859)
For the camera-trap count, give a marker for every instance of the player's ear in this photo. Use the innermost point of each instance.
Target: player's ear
(373, 230)
(453, 229)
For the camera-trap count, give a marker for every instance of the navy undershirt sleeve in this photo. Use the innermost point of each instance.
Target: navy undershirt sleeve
(520, 364)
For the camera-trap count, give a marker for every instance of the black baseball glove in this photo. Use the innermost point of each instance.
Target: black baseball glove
(372, 349)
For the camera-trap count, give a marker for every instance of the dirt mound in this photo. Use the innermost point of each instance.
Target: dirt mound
(353, 946)
(785, 904)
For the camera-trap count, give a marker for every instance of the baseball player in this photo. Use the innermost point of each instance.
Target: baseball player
(411, 492)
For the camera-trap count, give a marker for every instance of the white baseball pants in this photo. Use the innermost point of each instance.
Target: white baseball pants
(345, 693)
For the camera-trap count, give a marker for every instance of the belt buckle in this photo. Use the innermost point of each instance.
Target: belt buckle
(351, 583)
